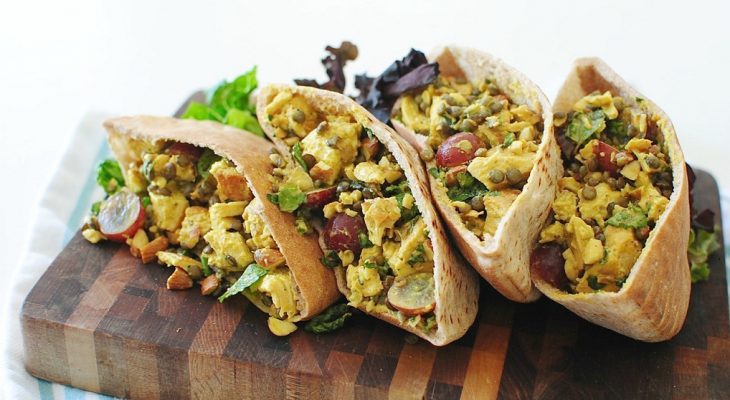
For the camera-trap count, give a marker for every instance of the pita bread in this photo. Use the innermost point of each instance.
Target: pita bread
(457, 288)
(316, 284)
(652, 304)
(503, 259)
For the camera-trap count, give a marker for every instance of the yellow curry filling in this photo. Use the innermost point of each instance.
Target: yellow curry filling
(480, 145)
(341, 176)
(202, 219)
(617, 184)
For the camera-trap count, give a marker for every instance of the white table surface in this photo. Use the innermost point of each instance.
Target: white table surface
(61, 59)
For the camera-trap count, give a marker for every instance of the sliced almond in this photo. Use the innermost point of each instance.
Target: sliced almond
(269, 258)
(148, 253)
(209, 285)
(179, 280)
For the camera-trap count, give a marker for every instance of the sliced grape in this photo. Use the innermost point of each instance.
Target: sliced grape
(413, 294)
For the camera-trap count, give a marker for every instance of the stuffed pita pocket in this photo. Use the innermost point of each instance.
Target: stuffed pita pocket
(615, 252)
(201, 187)
(349, 171)
(485, 133)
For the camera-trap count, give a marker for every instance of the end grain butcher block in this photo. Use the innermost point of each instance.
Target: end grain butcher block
(101, 321)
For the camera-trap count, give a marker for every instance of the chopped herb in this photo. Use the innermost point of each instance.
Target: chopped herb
(206, 160)
(329, 320)
(594, 284)
(639, 100)
(617, 127)
(631, 217)
(465, 179)
(417, 256)
(508, 140)
(250, 276)
(289, 197)
(146, 201)
(437, 173)
(331, 259)
(466, 193)
(96, 207)
(364, 240)
(296, 152)
(406, 214)
(109, 176)
(368, 132)
(583, 126)
(302, 226)
(702, 243)
(429, 324)
(620, 281)
(206, 268)
(397, 189)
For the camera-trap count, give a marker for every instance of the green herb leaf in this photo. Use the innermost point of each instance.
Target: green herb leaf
(437, 173)
(406, 214)
(620, 282)
(205, 161)
(583, 126)
(368, 132)
(296, 152)
(250, 276)
(331, 319)
(146, 201)
(289, 197)
(617, 127)
(206, 269)
(109, 176)
(417, 256)
(508, 140)
(466, 193)
(331, 259)
(364, 240)
(701, 245)
(594, 284)
(631, 217)
(302, 226)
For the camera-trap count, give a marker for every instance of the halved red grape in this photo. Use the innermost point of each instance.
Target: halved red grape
(450, 153)
(320, 197)
(547, 262)
(342, 233)
(185, 148)
(603, 152)
(121, 215)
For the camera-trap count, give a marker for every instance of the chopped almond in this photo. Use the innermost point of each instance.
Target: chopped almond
(209, 285)
(322, 172)
(148, 253)
(370, 147)
(137, 242)
(452, 173)
(179, 280)
(269, 258)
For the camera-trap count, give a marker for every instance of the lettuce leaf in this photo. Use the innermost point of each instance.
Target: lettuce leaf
(206, 160)
(329, 320)
(230, 104)
(250, 276)
(701, 244)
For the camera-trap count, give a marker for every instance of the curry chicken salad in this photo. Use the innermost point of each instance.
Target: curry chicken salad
(192, 210)
(483, 144)
(341, 172)
(616, 185)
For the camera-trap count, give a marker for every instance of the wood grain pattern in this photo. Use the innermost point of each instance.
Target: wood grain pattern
(101, 321)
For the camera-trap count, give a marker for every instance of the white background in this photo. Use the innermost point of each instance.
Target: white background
(60, 59)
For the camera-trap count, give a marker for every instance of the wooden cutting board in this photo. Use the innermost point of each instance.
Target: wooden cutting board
(101, 321)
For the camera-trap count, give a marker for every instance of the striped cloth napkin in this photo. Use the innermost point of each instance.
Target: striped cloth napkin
(63, 207)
